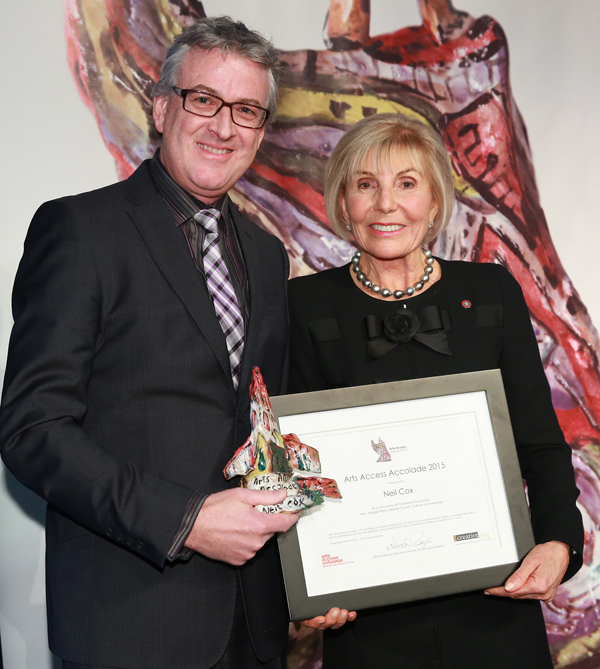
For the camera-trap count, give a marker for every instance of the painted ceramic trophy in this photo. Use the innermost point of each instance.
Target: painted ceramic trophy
(268, 459)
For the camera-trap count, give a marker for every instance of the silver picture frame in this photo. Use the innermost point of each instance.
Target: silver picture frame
(306, 407)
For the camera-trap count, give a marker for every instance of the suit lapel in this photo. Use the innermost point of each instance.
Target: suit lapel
(169, 251)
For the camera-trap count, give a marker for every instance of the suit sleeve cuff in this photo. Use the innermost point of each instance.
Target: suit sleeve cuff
(178, 551)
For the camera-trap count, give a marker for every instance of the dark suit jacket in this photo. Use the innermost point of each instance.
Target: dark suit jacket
(118, 403)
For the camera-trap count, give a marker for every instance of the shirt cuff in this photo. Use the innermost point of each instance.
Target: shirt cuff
(178, 551)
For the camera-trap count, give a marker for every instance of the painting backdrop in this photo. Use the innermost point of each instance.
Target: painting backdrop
(448, 66)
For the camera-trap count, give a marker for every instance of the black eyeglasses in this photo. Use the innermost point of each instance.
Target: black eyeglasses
(207, 104)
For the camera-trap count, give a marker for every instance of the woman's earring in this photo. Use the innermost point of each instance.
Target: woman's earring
(431, 225)
(349, 227)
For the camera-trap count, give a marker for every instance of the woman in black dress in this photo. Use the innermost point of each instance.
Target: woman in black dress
(394, 313)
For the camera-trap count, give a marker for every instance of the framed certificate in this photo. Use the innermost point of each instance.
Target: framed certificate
(432, 495)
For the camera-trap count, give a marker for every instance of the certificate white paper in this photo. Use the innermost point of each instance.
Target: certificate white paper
(423, 493)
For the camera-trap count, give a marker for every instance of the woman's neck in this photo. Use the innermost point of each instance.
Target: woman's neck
(399, 272)
(395, 274)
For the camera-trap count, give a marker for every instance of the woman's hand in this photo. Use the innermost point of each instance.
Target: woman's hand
(334, 618)
(539, 575)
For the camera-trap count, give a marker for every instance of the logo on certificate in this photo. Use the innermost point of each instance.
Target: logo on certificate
(466, 537)
(381, 449)
(328, 560)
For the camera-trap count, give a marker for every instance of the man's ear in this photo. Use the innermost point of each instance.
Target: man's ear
(159, 111)
(261, 134)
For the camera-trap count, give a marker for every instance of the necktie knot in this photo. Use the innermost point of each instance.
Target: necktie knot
(208, 219)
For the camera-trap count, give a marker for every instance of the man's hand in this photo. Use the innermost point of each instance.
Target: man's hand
(229, 528)
(539, 575)
(334, 618)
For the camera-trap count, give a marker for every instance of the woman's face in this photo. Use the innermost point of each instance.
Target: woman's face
(389, 209)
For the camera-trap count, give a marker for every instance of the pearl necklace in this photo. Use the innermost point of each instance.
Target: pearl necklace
(386, 292)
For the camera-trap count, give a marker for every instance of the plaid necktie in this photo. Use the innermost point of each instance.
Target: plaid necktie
(221, 290)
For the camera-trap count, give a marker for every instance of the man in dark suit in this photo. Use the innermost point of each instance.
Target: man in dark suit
(140, 310)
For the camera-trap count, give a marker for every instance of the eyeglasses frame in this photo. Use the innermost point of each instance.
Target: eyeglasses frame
(182, 93)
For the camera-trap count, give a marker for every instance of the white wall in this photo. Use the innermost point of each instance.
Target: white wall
(49, 148)
(53, 148)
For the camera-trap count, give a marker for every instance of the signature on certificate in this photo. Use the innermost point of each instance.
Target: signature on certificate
(417, 538)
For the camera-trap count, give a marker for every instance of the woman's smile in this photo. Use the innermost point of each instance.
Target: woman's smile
(387, 227)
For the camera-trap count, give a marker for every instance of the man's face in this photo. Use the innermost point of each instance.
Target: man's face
(206, 156)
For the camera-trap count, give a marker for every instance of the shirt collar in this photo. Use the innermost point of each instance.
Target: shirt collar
(181, 204)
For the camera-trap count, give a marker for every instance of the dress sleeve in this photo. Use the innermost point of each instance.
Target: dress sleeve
(544, 455)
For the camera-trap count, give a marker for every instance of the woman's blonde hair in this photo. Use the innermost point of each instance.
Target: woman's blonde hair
(378, 138)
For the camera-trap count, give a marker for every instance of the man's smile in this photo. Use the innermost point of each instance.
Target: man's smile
(211, 149)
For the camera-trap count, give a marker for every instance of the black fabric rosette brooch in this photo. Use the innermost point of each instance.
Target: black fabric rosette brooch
(428, 326)
(401, 325)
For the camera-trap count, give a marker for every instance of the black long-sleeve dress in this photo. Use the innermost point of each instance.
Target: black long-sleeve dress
(486, 322)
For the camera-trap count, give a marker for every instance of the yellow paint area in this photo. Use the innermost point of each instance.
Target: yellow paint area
(96, 23)
(167, 17)
(462, 187)
(298, 103)
(165, 13)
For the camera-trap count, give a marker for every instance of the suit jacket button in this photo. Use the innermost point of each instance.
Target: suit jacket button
(119, 537)
(129, 542)
(140, 545)
(109, 533)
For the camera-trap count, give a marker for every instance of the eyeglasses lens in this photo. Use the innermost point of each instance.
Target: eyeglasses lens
(203, 104)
